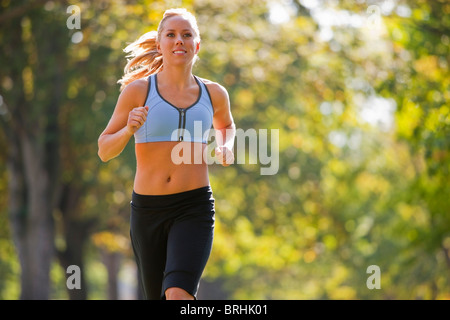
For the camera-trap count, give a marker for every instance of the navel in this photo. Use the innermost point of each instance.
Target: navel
(168, 179)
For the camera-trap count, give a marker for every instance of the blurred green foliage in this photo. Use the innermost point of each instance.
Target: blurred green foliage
(359, 91)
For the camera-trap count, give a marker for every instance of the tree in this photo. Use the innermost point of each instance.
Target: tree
(31, 127)
(54, 80)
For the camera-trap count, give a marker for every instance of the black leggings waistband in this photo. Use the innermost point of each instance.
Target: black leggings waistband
(173, 199)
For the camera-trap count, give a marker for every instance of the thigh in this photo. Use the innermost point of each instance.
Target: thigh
(188, 249)
(149, 239)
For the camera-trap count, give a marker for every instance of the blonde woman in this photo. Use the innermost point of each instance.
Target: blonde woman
(165, 106)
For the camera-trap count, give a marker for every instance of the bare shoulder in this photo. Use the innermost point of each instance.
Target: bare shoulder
(135, 92)
(216, 90)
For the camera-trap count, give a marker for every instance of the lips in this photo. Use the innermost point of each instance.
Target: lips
(179, 52)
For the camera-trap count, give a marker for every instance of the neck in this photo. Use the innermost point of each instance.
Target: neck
(178, 77)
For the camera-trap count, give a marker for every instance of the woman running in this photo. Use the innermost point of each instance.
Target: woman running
(170, 112)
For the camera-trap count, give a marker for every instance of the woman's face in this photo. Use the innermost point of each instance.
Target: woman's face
(178, 41)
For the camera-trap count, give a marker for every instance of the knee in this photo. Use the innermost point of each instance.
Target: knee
(177, 294)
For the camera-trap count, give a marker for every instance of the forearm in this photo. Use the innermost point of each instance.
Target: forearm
(111, 145)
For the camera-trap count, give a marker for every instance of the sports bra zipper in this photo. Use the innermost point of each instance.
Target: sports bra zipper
(181, 124)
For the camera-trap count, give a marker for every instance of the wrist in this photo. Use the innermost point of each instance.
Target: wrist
(128, 132)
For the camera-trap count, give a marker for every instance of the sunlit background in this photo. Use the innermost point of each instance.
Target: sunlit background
(358, 91)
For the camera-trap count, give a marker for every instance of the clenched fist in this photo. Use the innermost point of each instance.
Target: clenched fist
(225, 155)
(136, 118)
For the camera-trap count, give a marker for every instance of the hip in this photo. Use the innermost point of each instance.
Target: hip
(202, 195)
(197, 204)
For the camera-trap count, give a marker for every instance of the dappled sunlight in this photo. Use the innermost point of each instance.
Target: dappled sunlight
(355, 92)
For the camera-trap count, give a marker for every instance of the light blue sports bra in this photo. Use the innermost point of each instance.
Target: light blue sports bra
(166, 122)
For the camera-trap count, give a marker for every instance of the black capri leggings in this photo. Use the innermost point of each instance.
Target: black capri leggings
(172, 238)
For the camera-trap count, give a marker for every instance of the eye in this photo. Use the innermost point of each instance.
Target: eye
(187, 35)
(170, 34)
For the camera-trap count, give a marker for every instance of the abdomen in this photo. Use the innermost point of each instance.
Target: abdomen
(169, 167)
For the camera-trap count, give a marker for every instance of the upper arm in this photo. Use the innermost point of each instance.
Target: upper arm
(221, 104)
(131, 97)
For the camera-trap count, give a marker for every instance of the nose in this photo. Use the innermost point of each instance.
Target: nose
(179, 40)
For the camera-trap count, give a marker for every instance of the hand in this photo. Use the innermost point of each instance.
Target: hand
(225, 155)
(136, 118)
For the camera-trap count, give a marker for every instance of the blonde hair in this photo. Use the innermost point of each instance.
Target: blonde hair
(143, 56)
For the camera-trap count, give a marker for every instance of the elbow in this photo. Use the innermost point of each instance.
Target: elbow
(105, 156)
(101, 152)
(102, 156)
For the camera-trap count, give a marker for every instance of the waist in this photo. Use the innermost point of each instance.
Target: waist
(162, 182)
(199, 195)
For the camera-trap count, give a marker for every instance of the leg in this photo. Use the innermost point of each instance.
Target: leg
(150, 263)
(149, 245)
(188, 249)
(175, 293)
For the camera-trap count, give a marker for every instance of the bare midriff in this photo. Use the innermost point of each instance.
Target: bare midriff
(159, 172)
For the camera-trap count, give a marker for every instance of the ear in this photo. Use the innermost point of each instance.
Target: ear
(197, 48)
(158, 47)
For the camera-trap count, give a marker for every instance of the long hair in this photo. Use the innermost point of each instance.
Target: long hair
(143, 56)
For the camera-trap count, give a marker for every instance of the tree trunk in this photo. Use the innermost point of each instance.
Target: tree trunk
(75, 231)
(112, 262)
(75, 235)
(31, 214)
